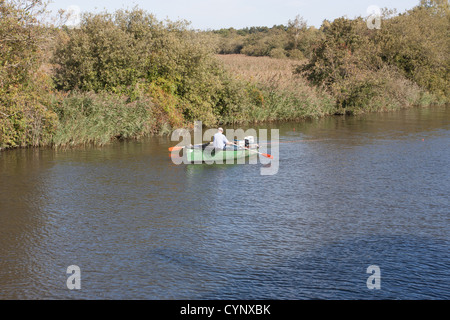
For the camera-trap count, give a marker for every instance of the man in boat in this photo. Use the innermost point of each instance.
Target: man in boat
(220, 141)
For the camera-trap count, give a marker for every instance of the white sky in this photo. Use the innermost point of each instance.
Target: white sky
(216, 14)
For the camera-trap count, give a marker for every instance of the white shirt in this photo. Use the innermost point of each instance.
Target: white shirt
(220, 141)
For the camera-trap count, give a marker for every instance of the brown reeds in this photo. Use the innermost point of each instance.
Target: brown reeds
(288, 96)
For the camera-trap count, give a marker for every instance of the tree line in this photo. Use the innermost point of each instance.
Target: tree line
(350, 59)
(294, 40)
(126, 74)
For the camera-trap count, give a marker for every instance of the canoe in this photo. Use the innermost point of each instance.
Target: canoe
(206, 153)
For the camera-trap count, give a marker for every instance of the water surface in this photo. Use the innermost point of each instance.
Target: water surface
(350, 192)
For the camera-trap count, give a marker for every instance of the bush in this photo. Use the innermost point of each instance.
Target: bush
(24, 87)
(119, 52)
(417, 44)
(357, 66)
(277, 53)
(98, 118)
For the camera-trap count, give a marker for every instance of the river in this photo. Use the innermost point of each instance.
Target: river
(349, 193)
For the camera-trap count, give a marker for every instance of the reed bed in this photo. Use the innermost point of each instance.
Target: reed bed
(287, 96)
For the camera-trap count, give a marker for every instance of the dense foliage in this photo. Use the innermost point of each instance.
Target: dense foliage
(407, 58)
(25, 118)
(131, 53)
(397, 65)
(295, 40)
(126, 75)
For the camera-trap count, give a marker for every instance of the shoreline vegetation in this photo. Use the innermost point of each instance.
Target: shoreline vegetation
(126, 75)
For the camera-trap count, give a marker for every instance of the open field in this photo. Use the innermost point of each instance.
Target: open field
(265, 70)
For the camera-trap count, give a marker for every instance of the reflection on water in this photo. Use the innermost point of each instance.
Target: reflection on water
(350, 192)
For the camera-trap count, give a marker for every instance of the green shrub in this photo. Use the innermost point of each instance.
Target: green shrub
(98, 118)
(24, 88)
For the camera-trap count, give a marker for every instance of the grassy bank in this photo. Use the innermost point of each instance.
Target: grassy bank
(288, 95)
(283, 94)
(88, 118)
(125, 75)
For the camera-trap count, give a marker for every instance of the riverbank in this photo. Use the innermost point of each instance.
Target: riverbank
(268, 88)
(280, 81)
(274, 93)
(125, 75)
(88, 118)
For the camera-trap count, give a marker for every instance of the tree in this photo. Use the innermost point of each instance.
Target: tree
(417, 43)
(438, 6)
(24, 117)
(295, 28)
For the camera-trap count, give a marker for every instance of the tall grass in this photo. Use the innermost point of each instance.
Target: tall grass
(284, 95)
(99, 118)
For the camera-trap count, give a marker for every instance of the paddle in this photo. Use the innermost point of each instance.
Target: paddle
(176, 148)
(179, 148)
(263, 154)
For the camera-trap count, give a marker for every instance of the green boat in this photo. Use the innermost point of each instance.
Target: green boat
(206, 153)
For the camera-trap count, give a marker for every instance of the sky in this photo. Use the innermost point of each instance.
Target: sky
(217, 14)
